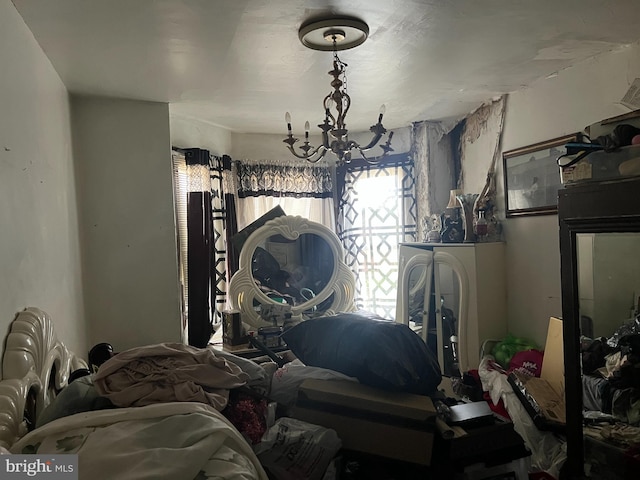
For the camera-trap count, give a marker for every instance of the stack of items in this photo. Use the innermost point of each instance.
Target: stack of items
(393, 425)
(475, 444)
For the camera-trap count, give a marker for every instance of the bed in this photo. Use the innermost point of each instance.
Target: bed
(172, 440)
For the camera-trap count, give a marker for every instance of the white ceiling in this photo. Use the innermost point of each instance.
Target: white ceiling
(239, 64)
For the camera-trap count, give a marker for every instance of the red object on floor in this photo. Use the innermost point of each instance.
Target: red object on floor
(500, 409)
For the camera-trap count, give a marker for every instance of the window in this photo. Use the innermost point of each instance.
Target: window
(377, 212)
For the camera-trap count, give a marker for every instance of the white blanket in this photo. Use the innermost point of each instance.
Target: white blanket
(168, 372)
(181, 440)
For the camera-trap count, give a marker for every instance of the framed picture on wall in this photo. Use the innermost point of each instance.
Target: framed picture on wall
(532, 177)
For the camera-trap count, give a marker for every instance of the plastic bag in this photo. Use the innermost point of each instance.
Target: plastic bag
(630, 327)
(527, 362)
(509, 346)
(296, 450)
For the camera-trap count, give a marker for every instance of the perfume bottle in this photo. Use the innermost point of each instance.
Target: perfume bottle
(481, 224)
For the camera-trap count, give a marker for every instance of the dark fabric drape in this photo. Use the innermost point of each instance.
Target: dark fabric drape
(231, 224)
(200, 255)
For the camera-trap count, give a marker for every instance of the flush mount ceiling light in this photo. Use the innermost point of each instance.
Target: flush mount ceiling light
(336, 34)
(352, 32)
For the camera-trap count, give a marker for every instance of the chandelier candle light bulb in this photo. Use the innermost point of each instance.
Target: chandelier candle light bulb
(287, 118)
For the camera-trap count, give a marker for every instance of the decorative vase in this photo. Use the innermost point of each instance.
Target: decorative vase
(467, 201)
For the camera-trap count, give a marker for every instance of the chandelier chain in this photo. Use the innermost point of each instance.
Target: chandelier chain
(341, 64)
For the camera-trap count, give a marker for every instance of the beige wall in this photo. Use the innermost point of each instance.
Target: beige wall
(564, 104)
(39, 240)
(191, 133)
(123, 157)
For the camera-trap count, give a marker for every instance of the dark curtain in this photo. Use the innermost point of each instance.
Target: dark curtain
(231, 224)
(200, 255)
(205, 225)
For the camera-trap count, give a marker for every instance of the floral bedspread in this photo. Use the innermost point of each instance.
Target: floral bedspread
(179, 440)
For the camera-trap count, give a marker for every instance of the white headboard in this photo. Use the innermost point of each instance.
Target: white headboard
(35, 367)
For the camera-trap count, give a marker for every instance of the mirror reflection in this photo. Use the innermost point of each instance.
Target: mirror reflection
(292, 268)
(608, 290)
(441, 322)
(608, 281)
(292, 271)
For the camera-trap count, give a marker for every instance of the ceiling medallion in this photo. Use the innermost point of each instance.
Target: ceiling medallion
(336, 34)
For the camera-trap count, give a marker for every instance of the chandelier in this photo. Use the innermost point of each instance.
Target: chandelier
(336, 34)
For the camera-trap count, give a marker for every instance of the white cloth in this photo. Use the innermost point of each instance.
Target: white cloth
(170, 441)
(318, 210)
(168, 372)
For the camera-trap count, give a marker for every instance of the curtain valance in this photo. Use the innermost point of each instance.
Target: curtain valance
(284, 180)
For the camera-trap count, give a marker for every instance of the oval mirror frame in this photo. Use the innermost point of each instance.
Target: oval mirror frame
(243, 290)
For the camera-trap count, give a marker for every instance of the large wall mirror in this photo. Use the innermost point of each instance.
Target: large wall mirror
(599, 244)
(608, 281)
(294, 262)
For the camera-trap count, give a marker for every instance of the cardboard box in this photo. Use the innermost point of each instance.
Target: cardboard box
(239, 238)
(578, 172)
(389, 424)
(553, 360)
(543, 397)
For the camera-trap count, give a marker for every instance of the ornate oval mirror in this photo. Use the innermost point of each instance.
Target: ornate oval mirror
(295, 262)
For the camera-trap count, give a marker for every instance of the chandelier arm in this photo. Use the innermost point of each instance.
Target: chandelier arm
(325, 140)
(327, 111)
(374, 141)
(308, 156)
(319, 157)
(367, 159)
(347, 105)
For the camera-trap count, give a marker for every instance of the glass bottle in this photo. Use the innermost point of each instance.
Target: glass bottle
(481, 224)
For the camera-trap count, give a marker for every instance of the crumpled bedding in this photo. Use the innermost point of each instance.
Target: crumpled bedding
(79, 396)
(168, 372)
(172, 441)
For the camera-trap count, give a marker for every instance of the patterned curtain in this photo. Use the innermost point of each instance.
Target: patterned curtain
(283, 181)
(298, 188)
(201, 212)
(222, 222)
(377, 211)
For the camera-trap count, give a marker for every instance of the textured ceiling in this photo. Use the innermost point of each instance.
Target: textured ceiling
(239, 64)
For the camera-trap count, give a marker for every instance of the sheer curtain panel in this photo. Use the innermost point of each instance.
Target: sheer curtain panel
(299, 189)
